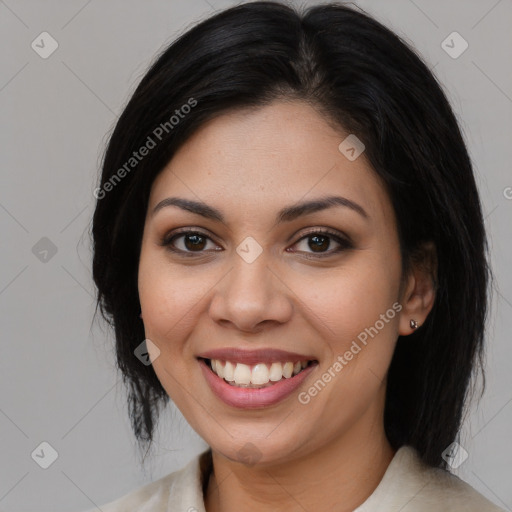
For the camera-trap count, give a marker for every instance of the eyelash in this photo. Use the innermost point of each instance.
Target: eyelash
(344, 243)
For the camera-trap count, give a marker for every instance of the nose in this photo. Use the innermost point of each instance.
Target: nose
(251, 296)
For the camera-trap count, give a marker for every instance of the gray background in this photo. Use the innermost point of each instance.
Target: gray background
(58, 381)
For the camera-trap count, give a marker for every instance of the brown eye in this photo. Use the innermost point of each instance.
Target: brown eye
(193, 242)
(320, 243)
(188, 242)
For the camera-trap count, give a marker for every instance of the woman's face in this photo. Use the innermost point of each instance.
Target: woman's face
(258, 281)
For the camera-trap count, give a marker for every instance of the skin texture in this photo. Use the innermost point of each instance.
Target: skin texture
(330, 453)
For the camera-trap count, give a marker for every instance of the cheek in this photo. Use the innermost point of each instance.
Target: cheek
(344, 301)
(167, 307)
(169, 295)
(163, 302)
(353, 308)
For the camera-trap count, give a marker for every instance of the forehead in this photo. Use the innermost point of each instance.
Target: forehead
(268, 157)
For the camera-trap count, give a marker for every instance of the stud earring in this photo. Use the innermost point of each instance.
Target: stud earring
(413, 324)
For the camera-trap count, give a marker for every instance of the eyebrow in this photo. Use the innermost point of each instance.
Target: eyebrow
(287, 214)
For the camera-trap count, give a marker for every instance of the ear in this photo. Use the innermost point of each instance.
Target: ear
(419, 289)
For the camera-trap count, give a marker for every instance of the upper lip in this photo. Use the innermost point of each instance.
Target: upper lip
(250, 357)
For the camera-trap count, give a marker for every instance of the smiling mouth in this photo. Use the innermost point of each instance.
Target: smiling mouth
(260, 375)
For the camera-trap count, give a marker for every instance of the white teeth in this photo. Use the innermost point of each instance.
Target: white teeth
(242, 374)
(218, 368)
(287, 370)
(276, 372)
(229, 371)
(259, 375)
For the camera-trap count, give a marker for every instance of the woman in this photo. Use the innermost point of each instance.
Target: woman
(289, 244)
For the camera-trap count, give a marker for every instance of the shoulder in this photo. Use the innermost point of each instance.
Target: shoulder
(449, 492)
(154, 495)
(410, 485)
(170, 492)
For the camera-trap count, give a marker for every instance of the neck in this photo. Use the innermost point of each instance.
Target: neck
(339, 476)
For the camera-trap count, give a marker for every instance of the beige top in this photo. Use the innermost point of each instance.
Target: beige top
(408, 485)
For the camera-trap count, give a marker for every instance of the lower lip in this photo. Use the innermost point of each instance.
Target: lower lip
(253, 398)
